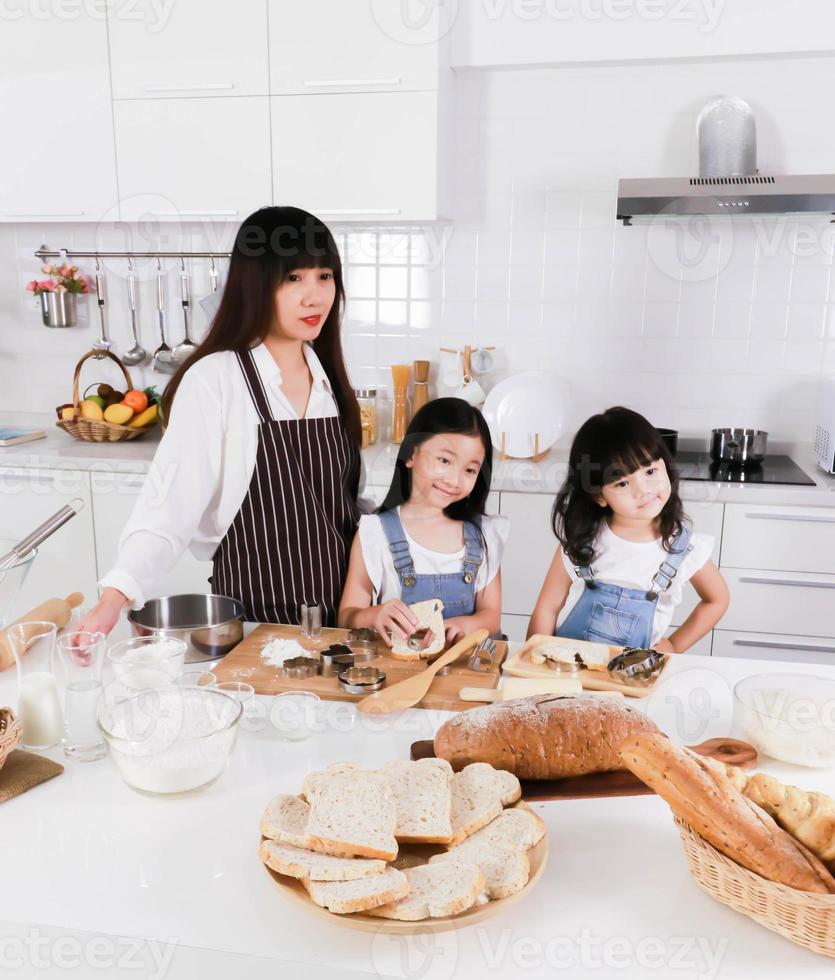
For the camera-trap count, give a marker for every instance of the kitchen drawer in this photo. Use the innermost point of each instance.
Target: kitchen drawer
(774, 646)
(701, 649)
(780, 602)
(796, 539)
(707, 518)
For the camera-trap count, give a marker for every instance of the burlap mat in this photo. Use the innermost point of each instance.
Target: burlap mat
(23, 770)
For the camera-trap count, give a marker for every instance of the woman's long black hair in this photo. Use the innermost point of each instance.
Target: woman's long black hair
(607, 447)
(444, 415)
(270, 244)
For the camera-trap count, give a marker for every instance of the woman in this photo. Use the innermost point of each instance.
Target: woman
(259, 468)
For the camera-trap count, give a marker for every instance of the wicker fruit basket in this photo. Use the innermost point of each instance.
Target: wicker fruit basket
(10, 732)
(803, 917)
(91, 430)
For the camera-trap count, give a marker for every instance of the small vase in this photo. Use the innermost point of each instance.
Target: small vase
(58, 309)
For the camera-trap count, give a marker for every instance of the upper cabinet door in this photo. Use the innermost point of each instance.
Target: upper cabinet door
(357, 157)
(188, 48)
(57, 162)
(352, 46)
(189, 159)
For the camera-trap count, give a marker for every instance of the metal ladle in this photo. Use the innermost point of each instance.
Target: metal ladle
(137, 354)
(103, 343)
(162, 355)
(187, 346)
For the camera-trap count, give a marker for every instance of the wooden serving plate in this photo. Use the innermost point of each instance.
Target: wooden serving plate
(244, 663)
(620, 783)
(408, 856)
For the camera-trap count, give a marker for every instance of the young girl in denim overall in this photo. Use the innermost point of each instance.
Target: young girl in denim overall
(625, 550)
(430, 538)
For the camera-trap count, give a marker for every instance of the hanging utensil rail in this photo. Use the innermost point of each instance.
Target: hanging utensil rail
(46, 253)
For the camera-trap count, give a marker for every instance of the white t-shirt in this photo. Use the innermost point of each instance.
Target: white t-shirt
(632, 565)
(380, 567)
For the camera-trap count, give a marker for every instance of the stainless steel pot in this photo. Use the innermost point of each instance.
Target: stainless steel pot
(740, 446)
(211, 625)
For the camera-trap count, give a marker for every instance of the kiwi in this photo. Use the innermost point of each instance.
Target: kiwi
(104, 391)
(113, 398)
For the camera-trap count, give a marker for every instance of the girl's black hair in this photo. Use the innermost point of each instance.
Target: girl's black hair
(439, 416)
(607, 447)
(270, 244)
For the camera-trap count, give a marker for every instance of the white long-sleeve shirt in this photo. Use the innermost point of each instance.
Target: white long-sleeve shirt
(202, 469)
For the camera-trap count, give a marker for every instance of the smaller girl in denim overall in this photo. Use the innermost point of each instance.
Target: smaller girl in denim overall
(625, 550)
(431, 538)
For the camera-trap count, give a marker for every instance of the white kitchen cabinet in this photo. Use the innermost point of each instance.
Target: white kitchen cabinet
(780, 602)
(373, 47)
(181, 159)
(359, 157)
(57, 162)
(774, 646)
(190, 48)
(113, 498)
(707, 518)
(796, 539)
(66, 562)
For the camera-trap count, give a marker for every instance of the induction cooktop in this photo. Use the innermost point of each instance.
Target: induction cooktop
(773, 470)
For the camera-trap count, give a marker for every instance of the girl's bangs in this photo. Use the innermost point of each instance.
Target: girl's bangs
(628, 460)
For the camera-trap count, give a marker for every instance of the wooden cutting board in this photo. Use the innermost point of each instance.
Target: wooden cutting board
(244, 663)
(519, 664)
(623, 783)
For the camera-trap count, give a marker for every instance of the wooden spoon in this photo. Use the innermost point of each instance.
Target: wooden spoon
(407, 693)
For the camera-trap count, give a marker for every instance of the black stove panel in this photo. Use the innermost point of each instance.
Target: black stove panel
(773, 470)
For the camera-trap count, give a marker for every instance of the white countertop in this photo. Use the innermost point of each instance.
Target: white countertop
(60, 451)
(84, 856)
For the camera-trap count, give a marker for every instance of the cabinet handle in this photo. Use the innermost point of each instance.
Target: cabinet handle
(799, 518)
(766, 645)
(195, 213)
(333, 82)
(209, 87)
(785, 581)
(357, 211)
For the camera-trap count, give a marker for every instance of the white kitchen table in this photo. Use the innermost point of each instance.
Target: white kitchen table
(92, 871)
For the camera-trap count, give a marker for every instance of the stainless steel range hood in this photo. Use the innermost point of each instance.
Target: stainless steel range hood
(729, 182)
(757, 194)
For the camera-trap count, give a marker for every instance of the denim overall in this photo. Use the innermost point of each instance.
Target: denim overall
(622, 617)
(455, 589)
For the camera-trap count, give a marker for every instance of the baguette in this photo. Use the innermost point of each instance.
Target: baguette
(707, 801)
(547, 736)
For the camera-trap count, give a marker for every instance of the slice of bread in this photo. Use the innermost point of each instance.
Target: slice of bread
(422, 798)
(430, 615)
(352, 814)
(314, 779)
(517, 827)
(344, 897)
(479, 794)
(298, 863)
(285, 819)
(506, 868)
(446, 888)
(562, 650)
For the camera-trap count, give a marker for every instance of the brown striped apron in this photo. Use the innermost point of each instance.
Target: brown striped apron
(289, 542)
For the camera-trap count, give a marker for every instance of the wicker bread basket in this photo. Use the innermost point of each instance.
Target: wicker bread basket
(90, 430)
(10, 732)
(803, 917)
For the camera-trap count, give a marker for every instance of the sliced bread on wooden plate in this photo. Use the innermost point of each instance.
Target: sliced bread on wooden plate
(298, 863)
(423, 800)
(352, 814)
(479, 794)
(344, 897)
(285, 819)
(506, 868)
(436, 890)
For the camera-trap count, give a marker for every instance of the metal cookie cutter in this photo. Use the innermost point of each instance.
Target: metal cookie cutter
(420, 639)
(636, 667)
(362, 680)
(336, 651)
(301, 667)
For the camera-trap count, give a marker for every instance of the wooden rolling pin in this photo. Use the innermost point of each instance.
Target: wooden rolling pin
(524, 687)
(58, 611)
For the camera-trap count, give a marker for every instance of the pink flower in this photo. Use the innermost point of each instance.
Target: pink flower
(66, 271)
(49, 285)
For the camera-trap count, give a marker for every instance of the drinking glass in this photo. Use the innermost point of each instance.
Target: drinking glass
(38, 702)
(82, 655)
(294, 714)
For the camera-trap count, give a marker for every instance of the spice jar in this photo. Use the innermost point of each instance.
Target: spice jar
(367, 398)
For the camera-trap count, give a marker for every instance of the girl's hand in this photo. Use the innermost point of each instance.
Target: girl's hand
(394, 618)
(104, 615)
(664, 646)
(455, 629)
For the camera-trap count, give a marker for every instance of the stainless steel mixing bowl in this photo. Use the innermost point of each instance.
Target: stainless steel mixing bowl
(211, 625)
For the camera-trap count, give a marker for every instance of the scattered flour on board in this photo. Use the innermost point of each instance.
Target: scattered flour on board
(275, 652)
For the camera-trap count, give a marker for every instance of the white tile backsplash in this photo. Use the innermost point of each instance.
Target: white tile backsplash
(697, 324)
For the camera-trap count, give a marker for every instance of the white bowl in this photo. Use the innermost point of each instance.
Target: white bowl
(790, 717)
(171, 740)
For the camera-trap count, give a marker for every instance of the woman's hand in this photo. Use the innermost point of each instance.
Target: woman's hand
(393, 618)
(102, 617)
